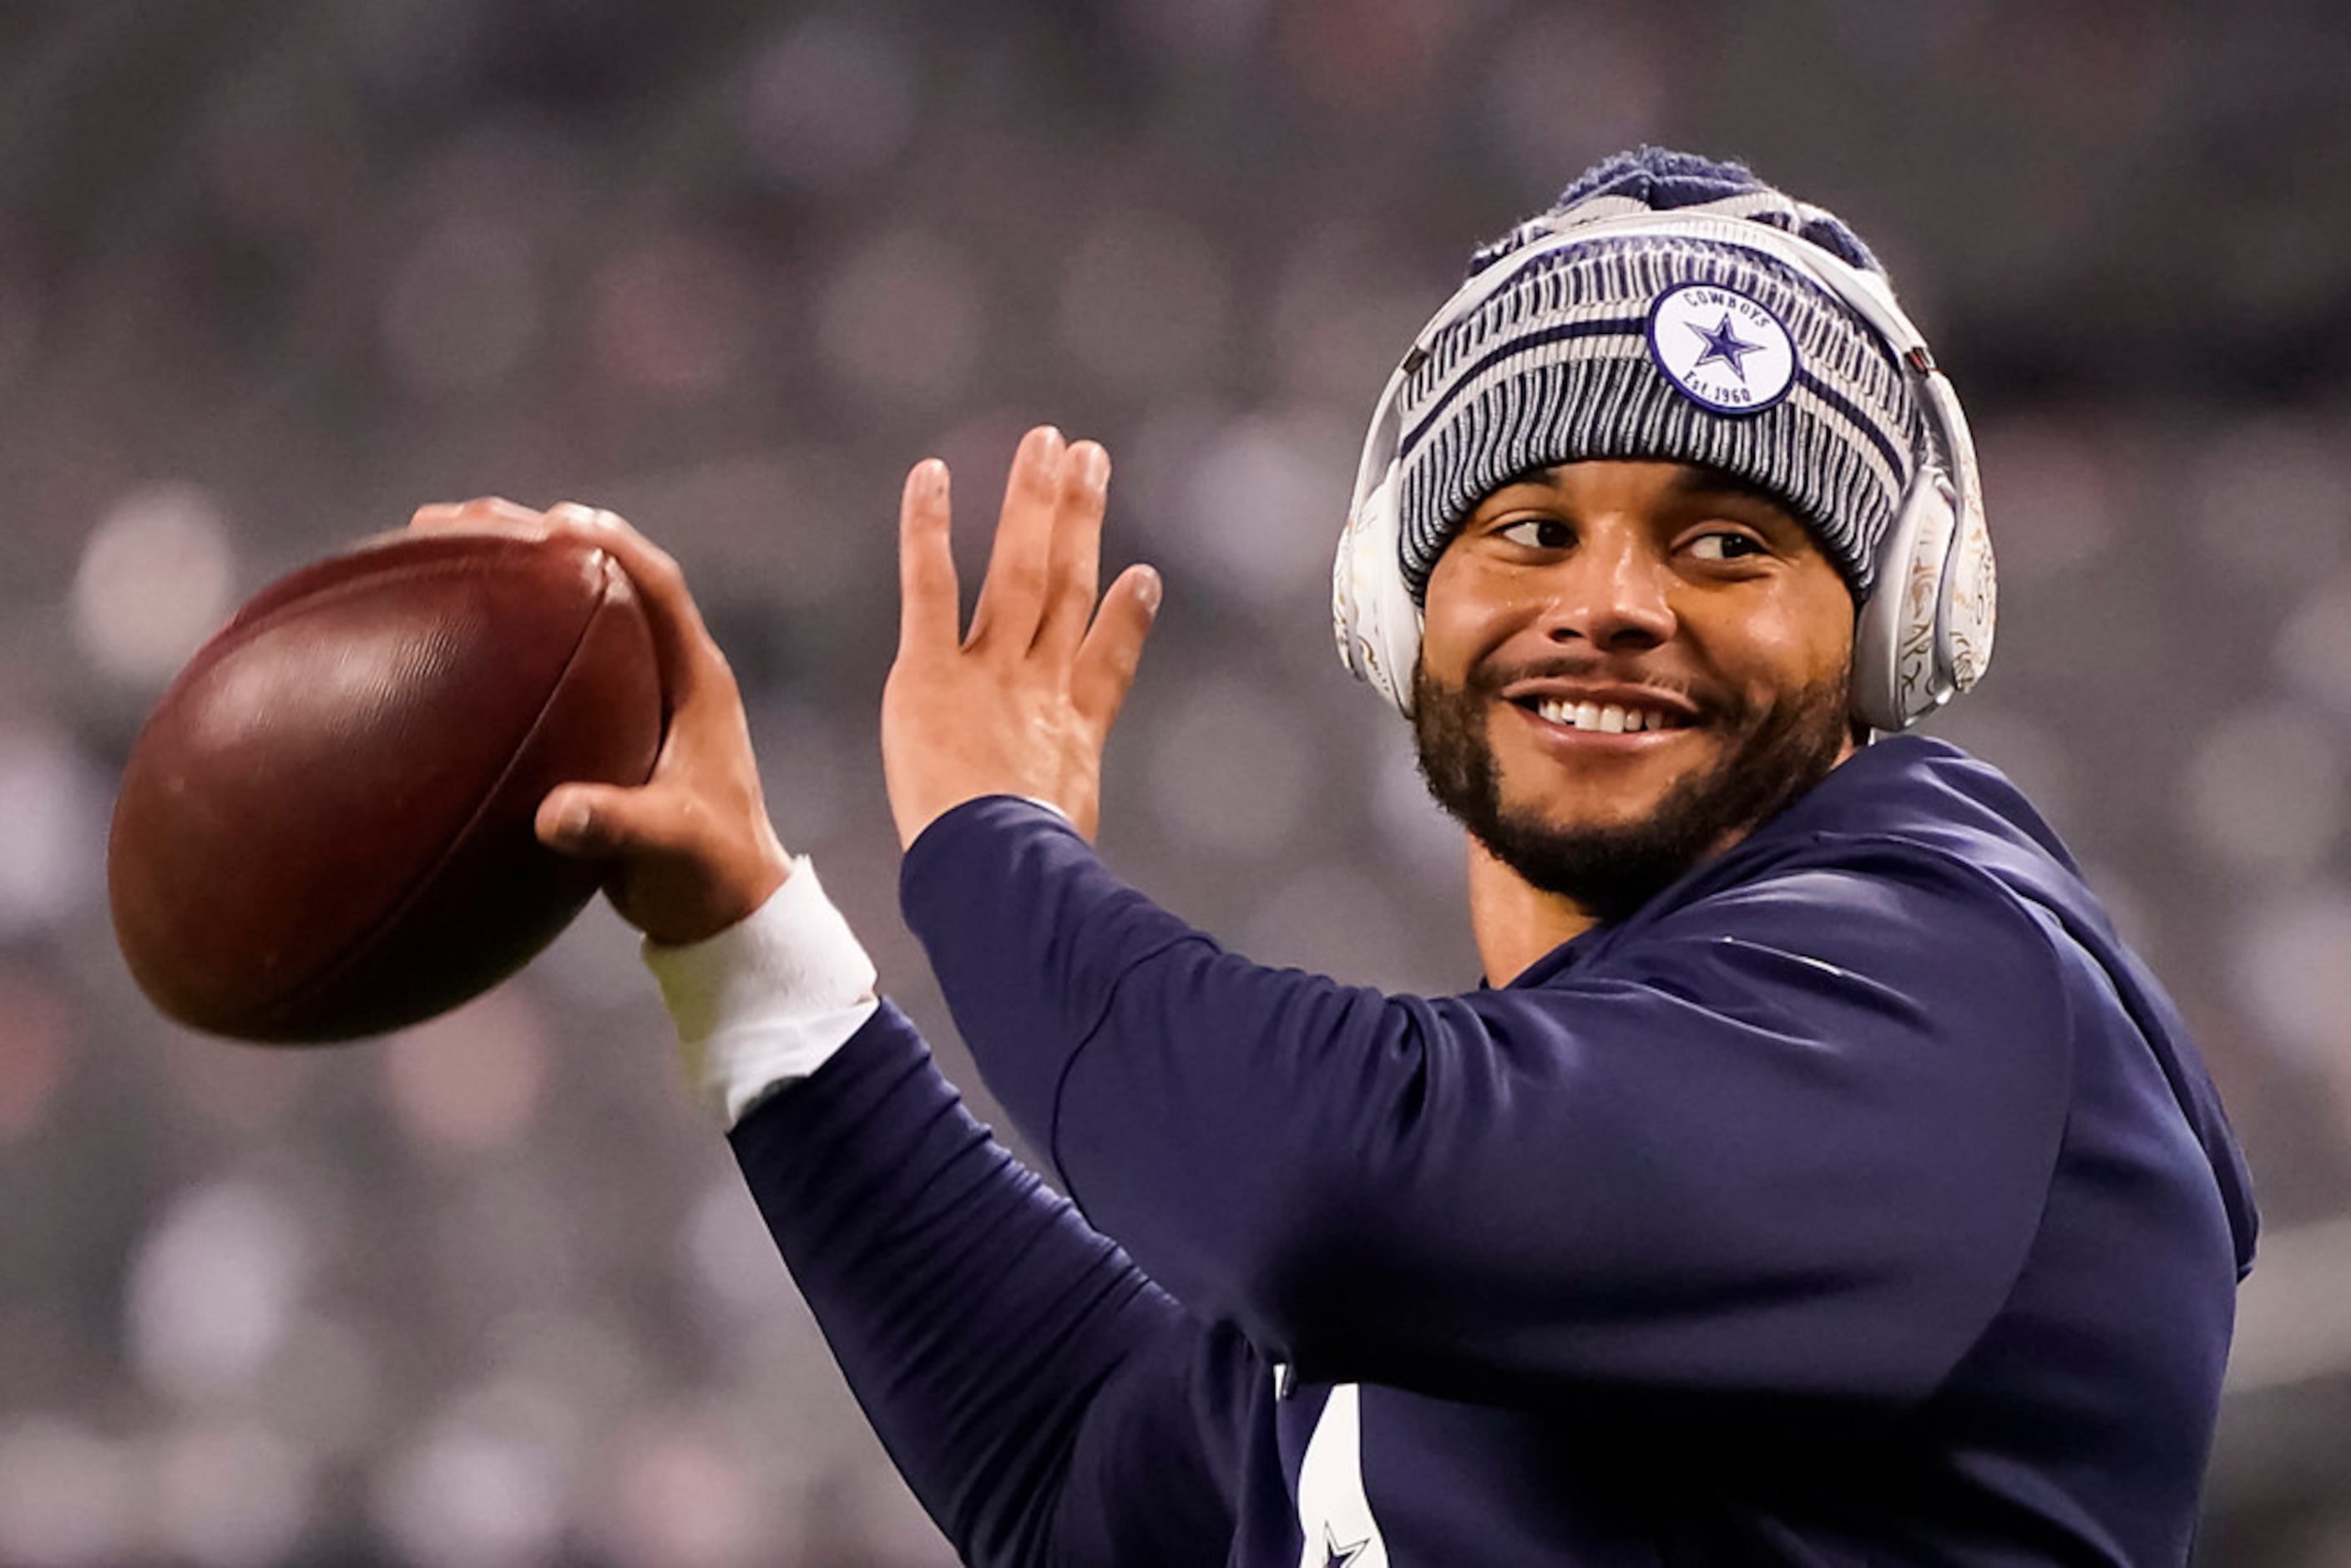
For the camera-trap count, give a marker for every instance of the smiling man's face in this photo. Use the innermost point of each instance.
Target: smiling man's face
(1625, 668)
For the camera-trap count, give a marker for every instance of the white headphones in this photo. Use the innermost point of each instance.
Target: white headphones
(1925, 633)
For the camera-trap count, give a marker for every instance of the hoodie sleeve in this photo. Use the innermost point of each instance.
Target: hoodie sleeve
(1046, 1403)
(1795, 1138)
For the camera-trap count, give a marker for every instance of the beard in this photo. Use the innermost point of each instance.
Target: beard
(1777, 752)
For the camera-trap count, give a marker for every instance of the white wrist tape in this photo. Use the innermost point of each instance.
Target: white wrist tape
(766, 1001)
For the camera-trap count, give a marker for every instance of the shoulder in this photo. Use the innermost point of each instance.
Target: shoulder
(1880, 955)
(1866, 901)
(1912, 863)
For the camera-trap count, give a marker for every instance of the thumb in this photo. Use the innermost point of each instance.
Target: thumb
(593, 821)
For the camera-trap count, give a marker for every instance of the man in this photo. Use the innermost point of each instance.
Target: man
(1814, 1179)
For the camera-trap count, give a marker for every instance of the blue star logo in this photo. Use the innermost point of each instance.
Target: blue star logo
(1337, 1556)
(1724, 344)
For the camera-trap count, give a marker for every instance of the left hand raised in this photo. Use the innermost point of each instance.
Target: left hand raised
(1023, 704)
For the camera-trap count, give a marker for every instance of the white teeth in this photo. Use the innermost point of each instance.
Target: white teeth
(1610, 719)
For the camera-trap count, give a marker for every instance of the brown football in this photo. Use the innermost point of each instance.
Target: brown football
(325, 829)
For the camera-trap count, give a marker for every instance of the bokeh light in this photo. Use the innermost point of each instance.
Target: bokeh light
(228, 1496)
(68, 1496)
(473, 1496)
(2266, 790)
(1260, 516)
(213, 1289)
(153, 581)
(677, 1493)
(2313, 649)
(2291, 975)
(468, 1080)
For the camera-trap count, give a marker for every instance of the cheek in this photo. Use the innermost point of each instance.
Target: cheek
(1469, 615)
(1804, 639)
(1454, 624)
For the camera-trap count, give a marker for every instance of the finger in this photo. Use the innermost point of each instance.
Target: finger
(691, 661)
(1113, 647)
(1076, 562)
(930, 610)
(1012, 598)
(494, 513)
(601, 821)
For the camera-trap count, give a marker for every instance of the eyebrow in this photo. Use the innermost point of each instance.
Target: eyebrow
(1691, 482)
(1698, 481)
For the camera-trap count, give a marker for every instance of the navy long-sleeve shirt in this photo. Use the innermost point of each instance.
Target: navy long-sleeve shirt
(1859, 1199)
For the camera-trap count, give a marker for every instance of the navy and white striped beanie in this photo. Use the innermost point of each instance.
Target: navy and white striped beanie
(1664, 349)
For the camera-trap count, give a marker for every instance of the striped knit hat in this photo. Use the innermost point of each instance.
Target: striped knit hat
(1670, 349)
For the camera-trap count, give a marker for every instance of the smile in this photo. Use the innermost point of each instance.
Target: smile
(1605, 719)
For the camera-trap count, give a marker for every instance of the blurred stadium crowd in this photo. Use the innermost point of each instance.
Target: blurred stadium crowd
(272, 274)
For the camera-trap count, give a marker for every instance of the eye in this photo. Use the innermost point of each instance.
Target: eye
(1537, 533)
(1726, 544)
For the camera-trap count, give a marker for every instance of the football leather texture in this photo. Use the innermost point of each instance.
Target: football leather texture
(324, 831)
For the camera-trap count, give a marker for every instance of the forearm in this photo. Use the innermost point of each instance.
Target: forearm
(1007, 1356)
(975, 1316)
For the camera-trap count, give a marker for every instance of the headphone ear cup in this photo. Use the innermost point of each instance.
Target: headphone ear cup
(1968, 603)
(1900, 672)
(1378, 624)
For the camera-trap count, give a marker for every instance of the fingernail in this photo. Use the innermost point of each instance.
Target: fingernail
(571, 822)
(1050, 443)
(933, 481)
(1095, 466)
(1147, 588)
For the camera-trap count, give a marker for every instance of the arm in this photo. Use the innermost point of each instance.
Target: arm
(1735, 1164)
(1020, 1370)
(1799, 1142)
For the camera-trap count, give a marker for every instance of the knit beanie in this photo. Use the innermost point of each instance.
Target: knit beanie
(1672, 348)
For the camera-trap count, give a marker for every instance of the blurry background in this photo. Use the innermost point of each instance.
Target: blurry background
(270, 275)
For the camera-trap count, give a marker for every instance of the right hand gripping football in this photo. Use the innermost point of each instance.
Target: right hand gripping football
(690, 851)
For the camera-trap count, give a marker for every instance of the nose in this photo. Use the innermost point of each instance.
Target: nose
(1610, 592)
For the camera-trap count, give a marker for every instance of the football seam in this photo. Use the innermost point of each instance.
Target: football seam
(361, 946)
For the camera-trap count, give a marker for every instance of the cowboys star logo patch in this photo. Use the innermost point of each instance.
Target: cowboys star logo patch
(1721, 350)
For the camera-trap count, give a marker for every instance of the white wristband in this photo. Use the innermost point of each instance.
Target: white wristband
(766, 1001)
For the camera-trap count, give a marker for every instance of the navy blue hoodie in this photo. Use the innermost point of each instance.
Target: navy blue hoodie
(1860, 1199)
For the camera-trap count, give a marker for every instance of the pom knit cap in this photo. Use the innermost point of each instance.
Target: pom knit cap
(1670, 348)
